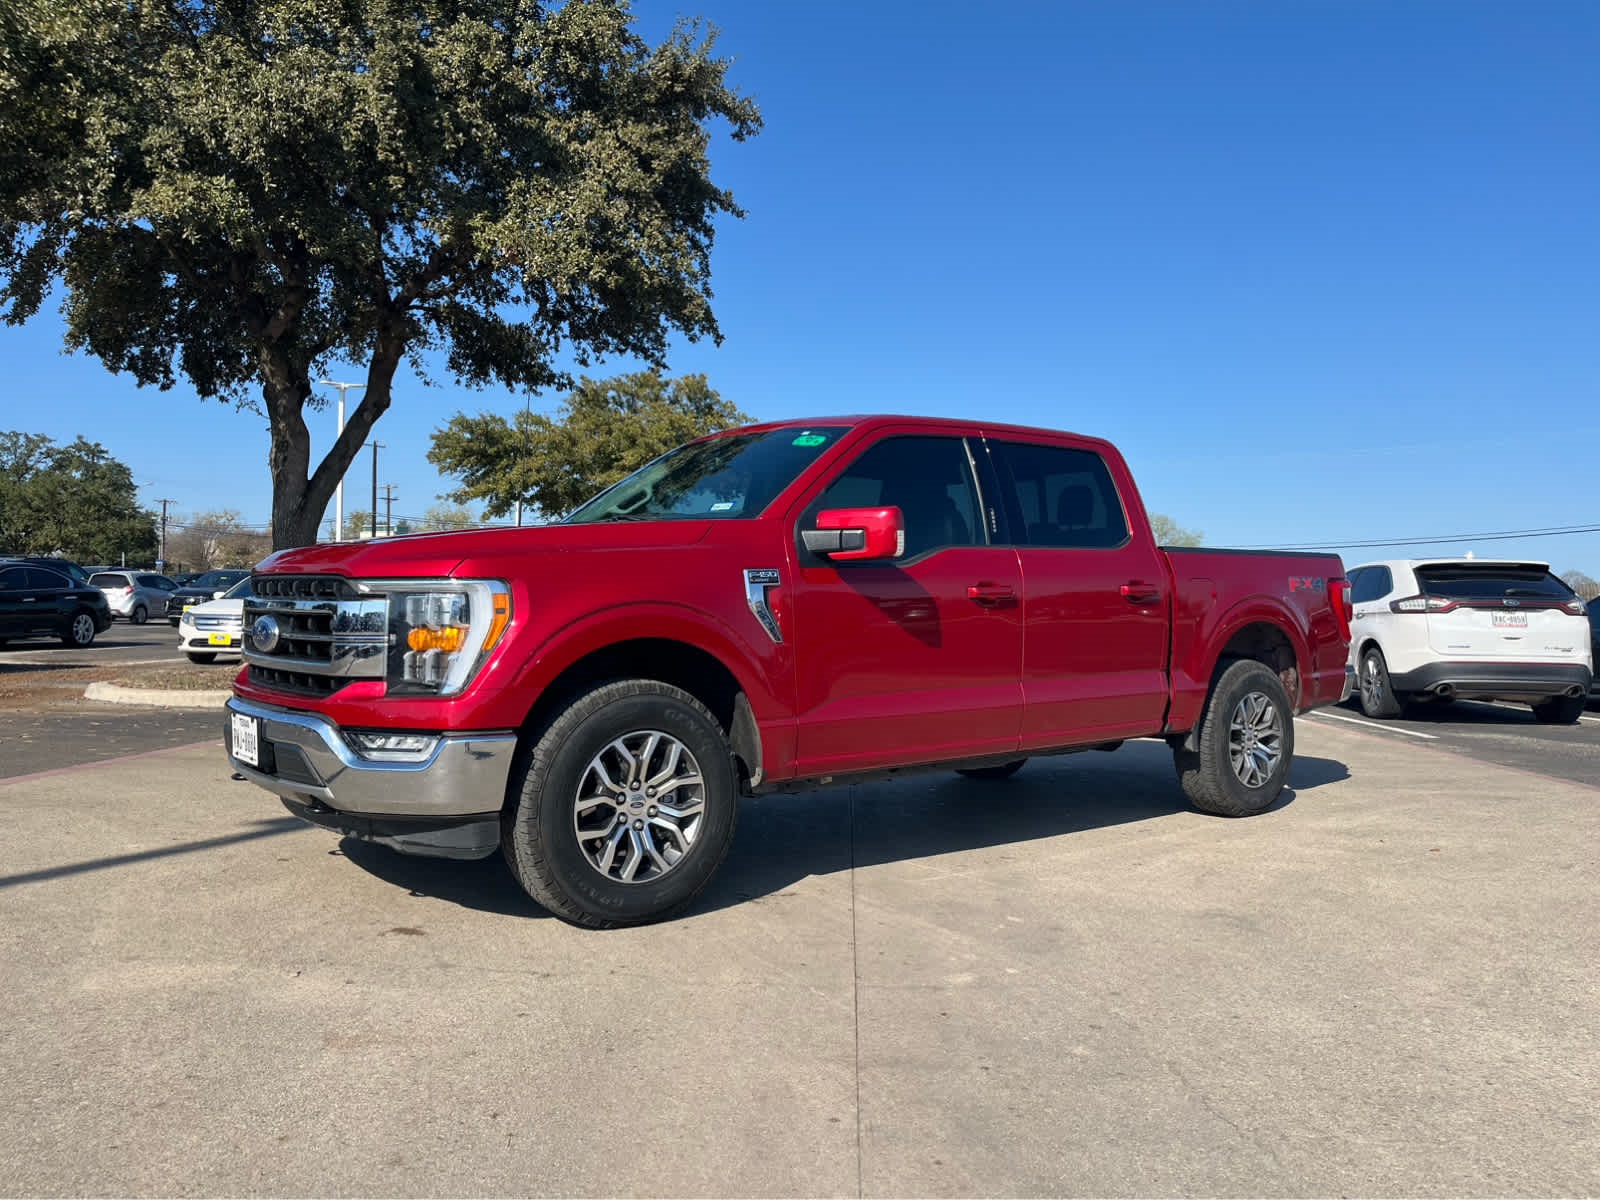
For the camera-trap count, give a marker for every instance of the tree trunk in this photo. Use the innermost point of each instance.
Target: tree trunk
(299, 497)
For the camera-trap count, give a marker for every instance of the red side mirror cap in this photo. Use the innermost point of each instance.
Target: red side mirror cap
(857, 534)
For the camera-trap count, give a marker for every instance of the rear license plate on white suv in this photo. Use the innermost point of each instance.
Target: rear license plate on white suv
(246, 746)
(1509, 620)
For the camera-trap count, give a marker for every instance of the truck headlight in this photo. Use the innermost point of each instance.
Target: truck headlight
(440, 633)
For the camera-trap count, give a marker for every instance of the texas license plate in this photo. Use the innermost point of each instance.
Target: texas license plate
(246, 743)
(219, 639)
(1509, 620)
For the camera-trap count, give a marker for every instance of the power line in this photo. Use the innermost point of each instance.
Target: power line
(1504, 535)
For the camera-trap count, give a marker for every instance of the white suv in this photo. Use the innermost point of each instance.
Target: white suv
(1437, 629)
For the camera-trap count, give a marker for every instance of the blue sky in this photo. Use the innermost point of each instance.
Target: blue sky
(1326, 272)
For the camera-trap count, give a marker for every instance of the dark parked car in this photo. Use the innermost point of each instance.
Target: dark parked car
(40, 601)
(1594, 648)
(70, 569)
(209, 586)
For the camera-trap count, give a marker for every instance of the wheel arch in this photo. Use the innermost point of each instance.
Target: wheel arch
(669, 660)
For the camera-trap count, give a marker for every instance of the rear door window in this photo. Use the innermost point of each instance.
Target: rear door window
(1369, 584)
(1060, 496)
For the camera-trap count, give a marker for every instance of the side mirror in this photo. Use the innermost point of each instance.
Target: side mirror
(857, 534)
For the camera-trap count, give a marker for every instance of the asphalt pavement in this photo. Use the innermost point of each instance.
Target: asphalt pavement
(1066, 984)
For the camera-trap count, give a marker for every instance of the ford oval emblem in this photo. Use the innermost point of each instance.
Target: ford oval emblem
(264, 634)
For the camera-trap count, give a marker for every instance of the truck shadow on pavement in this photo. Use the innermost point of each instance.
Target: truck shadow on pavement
(782, 840)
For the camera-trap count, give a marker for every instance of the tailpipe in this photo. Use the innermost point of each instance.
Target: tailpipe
(1573, 692)
(1445, 691)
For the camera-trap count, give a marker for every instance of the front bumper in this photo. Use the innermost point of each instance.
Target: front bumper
(446, 805)
(199, 640)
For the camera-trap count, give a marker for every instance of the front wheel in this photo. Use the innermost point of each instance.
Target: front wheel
(625, 806)
(1245, 740)
(139, 615)
(1560, 710)
(80, 633)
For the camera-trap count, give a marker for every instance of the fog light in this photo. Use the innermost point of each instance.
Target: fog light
(393, 747)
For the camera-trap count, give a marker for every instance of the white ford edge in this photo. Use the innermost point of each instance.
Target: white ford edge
(1474, 629)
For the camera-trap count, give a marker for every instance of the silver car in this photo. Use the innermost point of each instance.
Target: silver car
(134, 595)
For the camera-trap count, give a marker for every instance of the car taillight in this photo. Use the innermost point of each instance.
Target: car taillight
(1422, 604)
(1343, 608)
(1576, 607)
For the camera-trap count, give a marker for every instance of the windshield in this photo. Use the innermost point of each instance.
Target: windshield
(217, 579)
(238, 590)
(719, 479)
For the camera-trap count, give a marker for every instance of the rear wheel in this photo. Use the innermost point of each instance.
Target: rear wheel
(625, 806)
(1378, 699)
(200, 657)
(80, 632)
(1245, 743)
(139, 615)
(992, 774)
(1560, 710)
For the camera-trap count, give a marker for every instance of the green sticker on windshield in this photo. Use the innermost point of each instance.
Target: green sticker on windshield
(810, 439)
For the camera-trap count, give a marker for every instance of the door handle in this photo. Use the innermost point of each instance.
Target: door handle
(1139, 592)
(987, 593)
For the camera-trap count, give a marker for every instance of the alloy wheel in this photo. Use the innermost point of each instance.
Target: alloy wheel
(639, 806)
(1255, 739)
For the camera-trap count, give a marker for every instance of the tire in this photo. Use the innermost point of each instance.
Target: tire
(992, 774)
(198, 656)
(80, 631)
(173, 621)
(578, 857)
(139, 615)
(1377, 695)
(1560, 710)
(1246, 743)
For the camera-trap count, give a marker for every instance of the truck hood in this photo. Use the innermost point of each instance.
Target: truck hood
(434, 555)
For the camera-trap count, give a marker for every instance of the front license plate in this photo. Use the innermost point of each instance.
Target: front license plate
(246, 746)
(1505, 620)
(219, 639)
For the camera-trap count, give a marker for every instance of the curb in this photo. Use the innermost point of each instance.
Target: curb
(113, 693)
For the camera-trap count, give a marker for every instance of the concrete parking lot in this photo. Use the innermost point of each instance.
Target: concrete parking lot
(1068, 984)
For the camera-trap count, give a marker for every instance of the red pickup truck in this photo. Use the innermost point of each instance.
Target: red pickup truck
(775, 608)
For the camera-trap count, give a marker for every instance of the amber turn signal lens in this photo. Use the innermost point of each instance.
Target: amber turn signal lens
(448, 639)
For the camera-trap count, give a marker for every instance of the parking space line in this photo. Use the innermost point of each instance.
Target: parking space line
(1524, 708)
(1430, 737)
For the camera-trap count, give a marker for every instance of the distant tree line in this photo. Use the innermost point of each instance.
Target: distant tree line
(75, 501)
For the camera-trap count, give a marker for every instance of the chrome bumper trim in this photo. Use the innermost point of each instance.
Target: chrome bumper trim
(464, 776)
(1349, 683)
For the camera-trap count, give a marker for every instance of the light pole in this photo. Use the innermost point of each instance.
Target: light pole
(338, 492)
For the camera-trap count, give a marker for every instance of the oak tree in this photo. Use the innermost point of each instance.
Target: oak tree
(246, 193)
(606, 429)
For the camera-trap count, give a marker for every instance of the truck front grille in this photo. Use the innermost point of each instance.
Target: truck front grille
(320, 633)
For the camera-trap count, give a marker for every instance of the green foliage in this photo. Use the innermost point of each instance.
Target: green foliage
(1169, 533)
(247, 193)
(606, 429)
(76, 501)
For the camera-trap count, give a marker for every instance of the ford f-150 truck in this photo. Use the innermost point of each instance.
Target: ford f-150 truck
(770, 609)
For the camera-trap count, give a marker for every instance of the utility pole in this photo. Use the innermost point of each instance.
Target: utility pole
(388, 509)
(375, 446)
(162, 565)
(338, 492)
